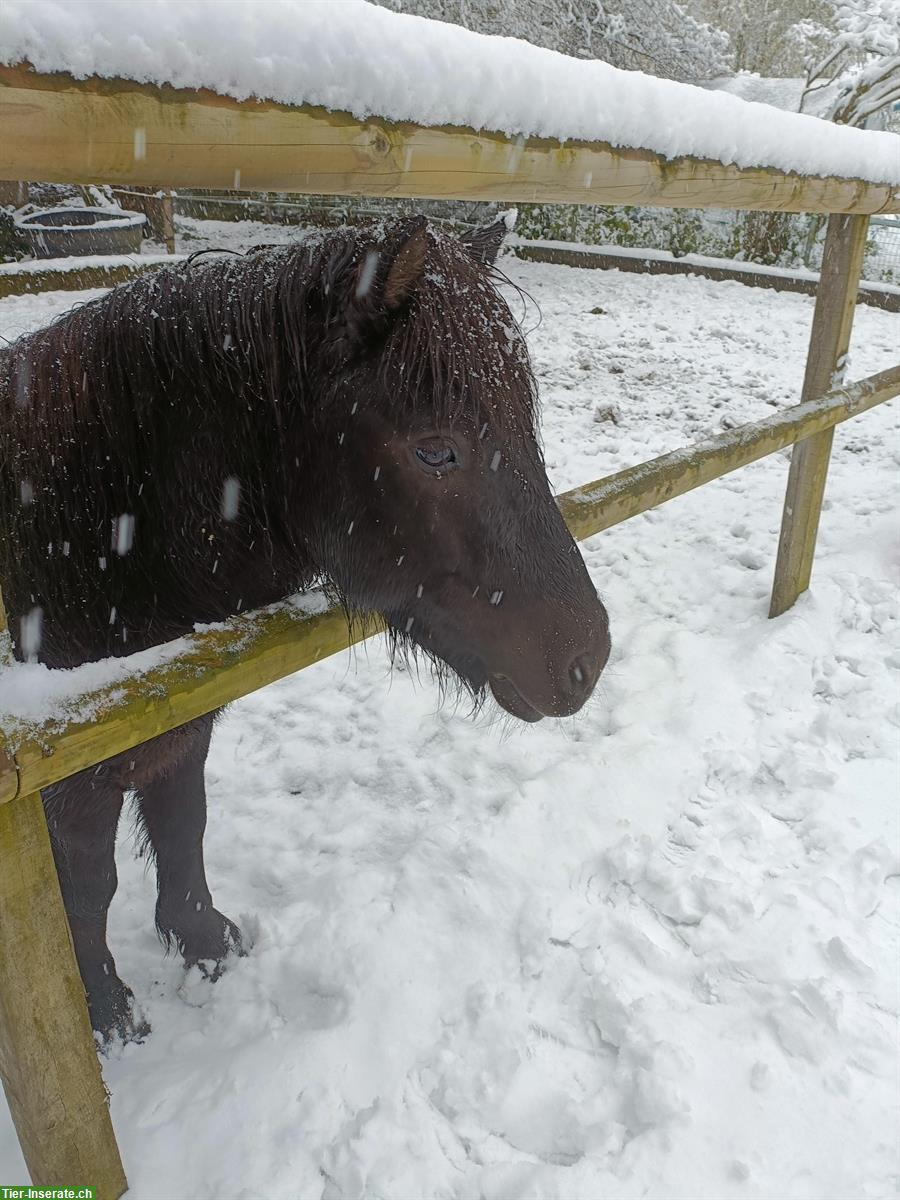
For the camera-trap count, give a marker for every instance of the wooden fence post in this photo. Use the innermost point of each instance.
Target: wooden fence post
(157, 205)
(168, 220)
(14, 192)
(845, 246)
(48, 1060)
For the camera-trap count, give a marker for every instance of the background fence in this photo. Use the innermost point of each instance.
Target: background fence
(768, 239)
(882, 261)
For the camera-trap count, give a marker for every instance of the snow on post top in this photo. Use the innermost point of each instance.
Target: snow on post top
(358, 58)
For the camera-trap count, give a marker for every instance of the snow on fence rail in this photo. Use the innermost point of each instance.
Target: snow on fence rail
(360, 59)
(53, 126)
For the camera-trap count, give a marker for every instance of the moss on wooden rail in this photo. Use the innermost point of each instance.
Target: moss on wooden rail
(55, 127)
(220, 665)
(249, 652)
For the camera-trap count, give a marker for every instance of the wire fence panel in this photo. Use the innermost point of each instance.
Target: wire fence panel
(882, 261)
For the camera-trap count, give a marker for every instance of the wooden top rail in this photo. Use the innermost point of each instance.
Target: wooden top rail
(251, 651)
(220, 665)
(54, 127)
(600, 505)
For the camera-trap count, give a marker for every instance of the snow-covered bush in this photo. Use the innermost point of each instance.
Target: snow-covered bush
(659, 37)
(770, 238)
(680, 231)
(857, 60)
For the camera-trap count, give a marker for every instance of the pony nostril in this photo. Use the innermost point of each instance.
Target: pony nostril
(585, 669)
(581, 673)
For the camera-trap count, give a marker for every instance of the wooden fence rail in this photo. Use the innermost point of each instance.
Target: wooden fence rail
(250, 651)
(54, 127)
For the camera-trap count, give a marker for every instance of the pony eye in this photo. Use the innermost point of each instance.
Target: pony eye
(436, 455)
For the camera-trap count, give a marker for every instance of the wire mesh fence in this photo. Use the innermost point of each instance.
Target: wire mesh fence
(882, 262)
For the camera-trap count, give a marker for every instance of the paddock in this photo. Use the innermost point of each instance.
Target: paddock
(52, 1042)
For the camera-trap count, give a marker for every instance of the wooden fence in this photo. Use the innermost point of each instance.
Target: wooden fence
(56, 128)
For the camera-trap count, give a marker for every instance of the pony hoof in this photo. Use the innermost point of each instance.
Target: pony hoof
(209, 946)
(113, 1017)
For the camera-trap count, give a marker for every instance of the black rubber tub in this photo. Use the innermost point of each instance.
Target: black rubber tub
(61, 232)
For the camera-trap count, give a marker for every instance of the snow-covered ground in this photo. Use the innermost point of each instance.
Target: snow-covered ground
(647, 952)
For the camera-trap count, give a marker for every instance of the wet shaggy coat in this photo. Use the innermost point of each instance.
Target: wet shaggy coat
(358, 410)
(141, 406)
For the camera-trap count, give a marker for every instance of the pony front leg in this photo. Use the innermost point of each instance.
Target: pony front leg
(173, 814)
(82, 817)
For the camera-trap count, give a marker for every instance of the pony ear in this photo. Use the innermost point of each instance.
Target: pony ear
(391, 272)
(406, 263)
(385, 280)
(484, 242)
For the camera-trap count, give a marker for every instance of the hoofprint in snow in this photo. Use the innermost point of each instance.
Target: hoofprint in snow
(359, 58)
(646, 952)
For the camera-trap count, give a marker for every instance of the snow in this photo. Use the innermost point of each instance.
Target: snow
(646, 952)
(38, 266)
(362, 59)
(760, 89)
(116, 219)
(647, 254)
(23, 313)
(32, 694)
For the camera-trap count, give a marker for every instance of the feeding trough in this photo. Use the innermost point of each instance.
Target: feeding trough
(59, 232)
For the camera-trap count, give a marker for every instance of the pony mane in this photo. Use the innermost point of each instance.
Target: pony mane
(205, 321)
(248, 351)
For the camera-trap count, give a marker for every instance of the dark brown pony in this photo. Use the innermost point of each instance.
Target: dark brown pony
(357, 409)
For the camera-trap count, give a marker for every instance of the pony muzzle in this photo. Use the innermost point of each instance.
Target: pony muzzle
(532, 691)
